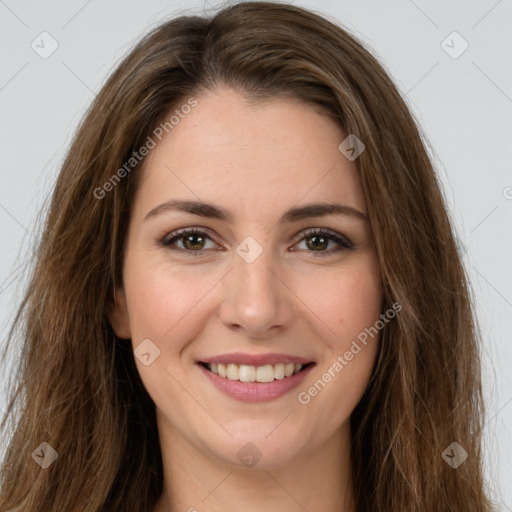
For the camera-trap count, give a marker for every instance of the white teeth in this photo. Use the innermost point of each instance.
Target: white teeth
(247, 373)
(222, 370)
(265, 373)
(279, 371)
(232, 372)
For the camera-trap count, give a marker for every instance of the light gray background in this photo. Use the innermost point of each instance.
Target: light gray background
(464, 105)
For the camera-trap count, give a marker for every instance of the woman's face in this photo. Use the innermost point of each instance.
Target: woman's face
(253, 283)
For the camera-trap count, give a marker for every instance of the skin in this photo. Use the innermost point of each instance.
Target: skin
(257, 161)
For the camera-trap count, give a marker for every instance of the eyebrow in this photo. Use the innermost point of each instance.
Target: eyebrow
(293, 215)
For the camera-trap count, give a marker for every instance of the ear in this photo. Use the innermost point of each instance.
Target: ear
(117, 312)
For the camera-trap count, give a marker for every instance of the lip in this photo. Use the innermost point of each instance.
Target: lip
(255, 359)
(256, 391)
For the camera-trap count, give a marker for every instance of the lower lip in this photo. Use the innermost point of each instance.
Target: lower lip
(256, 391)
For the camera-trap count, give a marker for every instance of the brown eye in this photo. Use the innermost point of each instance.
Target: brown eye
(317, 241)
(187, 240)
(193, 242)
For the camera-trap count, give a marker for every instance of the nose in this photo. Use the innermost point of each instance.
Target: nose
(256, 297)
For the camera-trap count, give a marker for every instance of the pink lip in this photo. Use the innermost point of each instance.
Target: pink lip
(255, 359)
(256, 391)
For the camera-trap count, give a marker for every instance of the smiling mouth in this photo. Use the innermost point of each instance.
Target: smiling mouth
(262, 374)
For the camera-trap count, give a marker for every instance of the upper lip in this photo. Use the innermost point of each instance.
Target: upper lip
(255, 359)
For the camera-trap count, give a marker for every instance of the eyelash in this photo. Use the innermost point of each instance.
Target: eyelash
(171, 238)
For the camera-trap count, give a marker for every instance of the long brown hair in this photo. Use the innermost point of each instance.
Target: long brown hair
(77, 387)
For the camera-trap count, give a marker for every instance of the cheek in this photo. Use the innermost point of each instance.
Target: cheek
(166, 305)
(345, 300)
(162, 299)
(350, 306)
(361, 304)
(347, 303)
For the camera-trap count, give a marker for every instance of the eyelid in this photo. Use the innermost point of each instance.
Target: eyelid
(333, 235)
(183, 231)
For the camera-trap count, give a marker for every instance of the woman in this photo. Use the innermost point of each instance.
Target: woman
(247, 293)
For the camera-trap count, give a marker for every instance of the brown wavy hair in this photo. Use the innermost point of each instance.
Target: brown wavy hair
(77, 387)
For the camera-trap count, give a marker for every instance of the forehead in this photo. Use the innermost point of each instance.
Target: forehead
(250, 156)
